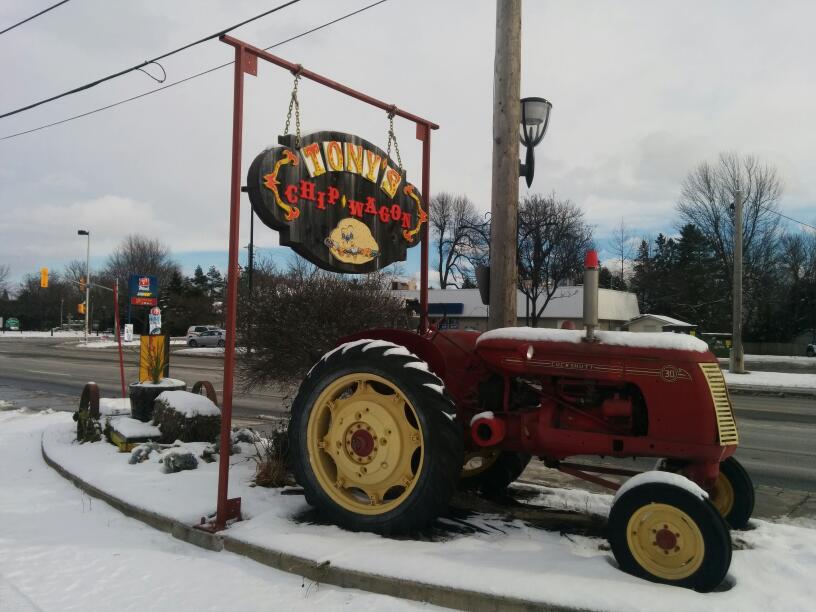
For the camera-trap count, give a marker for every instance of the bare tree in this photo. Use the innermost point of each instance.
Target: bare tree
(621, 244)
(5, 272)
(706, 198)
(455, 227)
(141, 255)
(552, 241)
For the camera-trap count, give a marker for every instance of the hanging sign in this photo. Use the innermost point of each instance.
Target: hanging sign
(338, 201)
(143, 290)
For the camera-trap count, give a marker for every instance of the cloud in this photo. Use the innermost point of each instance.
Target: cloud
(642, 92)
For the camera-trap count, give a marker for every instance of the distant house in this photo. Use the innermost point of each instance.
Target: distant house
(463, 308)
(659, 323)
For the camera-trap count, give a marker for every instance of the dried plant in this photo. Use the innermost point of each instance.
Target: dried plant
(271, 459)
(155, 363)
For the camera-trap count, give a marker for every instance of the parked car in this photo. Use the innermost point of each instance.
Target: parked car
(811, 350)
(211, 337)
(196, 330)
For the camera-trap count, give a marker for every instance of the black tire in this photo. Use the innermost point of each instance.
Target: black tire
(716, 541)
(493, 481)
(810, 351)
(192, 343)
(739, 511)
(440, 454)
(220, 344)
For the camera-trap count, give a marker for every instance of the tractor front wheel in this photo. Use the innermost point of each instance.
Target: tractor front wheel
(372, 443)
(665, 533)
(733, 494)
(492, 470)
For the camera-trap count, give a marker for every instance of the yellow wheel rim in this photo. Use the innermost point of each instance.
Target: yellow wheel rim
(477, 462)
(665, 541)
(722, 495)
(365, 444)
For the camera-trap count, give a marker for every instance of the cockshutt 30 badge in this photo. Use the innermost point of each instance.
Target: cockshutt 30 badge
(337, 200)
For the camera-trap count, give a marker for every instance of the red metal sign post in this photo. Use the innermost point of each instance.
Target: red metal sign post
(246, 61)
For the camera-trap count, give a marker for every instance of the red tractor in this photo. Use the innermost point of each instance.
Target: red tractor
(383, 424)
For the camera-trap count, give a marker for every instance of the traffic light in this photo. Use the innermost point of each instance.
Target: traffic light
(81, 308)
(82, 283)
(43, 277)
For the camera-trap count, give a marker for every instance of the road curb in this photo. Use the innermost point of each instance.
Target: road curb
(325, 572)
(771, 391)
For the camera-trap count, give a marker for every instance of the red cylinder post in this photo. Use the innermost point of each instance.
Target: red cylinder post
(118, 335)
(222, 512)
(426, 193)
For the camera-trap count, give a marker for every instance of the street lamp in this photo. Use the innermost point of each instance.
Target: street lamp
(87, 234)
(535, 115)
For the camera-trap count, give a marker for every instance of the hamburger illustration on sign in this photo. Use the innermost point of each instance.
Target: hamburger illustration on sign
(337, 200)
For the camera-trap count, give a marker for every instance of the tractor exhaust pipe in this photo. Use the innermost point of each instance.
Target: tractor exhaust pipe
(487, 430)
(591, 295)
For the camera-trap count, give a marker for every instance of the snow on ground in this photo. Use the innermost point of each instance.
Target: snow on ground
(772, 570)
(41, 334)
(61, 550)
(798, 359)
(114, 406)
(110, 342)
(770, 379)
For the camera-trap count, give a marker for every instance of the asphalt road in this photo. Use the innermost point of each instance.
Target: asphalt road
(778, 434)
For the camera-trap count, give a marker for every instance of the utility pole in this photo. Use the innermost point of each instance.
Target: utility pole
(737, 362)
(505, 188)
(87, 234)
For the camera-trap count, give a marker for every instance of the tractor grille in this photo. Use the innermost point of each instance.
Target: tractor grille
(726, 427)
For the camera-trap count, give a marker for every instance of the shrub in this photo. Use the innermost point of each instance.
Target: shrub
(293, 318)
(187, 417)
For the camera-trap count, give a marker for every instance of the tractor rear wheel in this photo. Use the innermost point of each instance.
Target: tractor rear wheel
(733, 494)
(665, 533)
(492, 470)
(372, 443)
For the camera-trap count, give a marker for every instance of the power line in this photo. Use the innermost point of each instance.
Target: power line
(42, 12)
(776, 212)
(147, 62)
(191, 77)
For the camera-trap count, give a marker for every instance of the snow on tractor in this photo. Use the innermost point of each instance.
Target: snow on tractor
(388, 424)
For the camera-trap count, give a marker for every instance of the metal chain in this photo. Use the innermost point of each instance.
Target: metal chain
(393, 137)
(294, 103)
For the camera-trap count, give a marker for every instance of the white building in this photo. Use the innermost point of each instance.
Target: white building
(464, 309)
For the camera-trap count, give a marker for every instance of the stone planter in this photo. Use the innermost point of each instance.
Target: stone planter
(142, 396)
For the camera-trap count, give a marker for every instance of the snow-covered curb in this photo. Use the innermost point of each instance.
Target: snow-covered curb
(502, 562)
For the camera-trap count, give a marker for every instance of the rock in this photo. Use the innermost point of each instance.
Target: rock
(178, 459)
(142, 452)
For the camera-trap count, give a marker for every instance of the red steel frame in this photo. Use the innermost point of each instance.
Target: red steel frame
(246, 61)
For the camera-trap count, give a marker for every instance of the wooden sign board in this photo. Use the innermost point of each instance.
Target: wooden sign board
(338, 201)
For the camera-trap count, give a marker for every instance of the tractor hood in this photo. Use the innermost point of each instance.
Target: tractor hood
(497, 343)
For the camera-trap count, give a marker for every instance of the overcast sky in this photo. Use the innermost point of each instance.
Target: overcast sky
(641, 90)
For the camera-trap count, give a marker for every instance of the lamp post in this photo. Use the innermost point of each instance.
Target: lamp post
(87, 234)
(535, 116)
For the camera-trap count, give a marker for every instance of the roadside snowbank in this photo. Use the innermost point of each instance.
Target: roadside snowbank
(203, 351)
(782, 380)
(772, 570)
